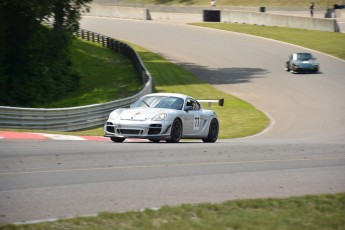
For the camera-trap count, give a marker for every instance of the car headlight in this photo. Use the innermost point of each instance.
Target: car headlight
(159, 117)
(113, 115)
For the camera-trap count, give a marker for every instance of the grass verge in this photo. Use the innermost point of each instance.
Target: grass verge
(105, 76)
(298, 213)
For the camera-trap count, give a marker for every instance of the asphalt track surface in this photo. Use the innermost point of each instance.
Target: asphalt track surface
(302, 152)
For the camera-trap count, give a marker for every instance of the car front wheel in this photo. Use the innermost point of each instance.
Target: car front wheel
(176, 131)
(213, 132)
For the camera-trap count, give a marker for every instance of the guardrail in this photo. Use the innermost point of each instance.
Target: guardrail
(82, 117)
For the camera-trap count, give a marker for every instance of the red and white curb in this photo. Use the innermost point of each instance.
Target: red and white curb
(59, 137)
(46, 136)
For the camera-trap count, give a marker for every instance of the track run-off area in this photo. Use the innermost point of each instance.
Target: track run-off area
(302, 152)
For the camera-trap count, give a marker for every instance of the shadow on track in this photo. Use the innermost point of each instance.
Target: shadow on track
(234, 75)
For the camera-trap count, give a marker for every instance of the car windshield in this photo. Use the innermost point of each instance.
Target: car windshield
(159, 102)
(304, 57)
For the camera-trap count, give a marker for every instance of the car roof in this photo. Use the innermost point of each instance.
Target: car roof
(169, 95)
(295, 56)
(303, 53)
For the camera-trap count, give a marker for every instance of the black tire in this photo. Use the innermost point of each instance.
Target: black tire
(212, 132)
(118, 139)
(293, 70)
(154, 141)
(176, 131)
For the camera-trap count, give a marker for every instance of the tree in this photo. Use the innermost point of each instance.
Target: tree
(35, 64)
(67, 14)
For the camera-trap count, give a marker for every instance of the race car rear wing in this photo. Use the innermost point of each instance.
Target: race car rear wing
(220, 102)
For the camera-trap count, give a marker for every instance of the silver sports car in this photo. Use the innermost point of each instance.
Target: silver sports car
(164, 116)
(302, 62)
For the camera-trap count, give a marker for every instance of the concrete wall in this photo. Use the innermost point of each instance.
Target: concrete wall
(119, 12)
(340, 13)
(257, 18)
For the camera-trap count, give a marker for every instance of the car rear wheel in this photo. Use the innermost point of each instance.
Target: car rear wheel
(212, 132)
(118, 139)
(176, 131)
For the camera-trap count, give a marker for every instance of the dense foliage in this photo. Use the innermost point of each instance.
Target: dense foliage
(35, 63)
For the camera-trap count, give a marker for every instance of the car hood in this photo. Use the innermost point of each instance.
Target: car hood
(142, 114)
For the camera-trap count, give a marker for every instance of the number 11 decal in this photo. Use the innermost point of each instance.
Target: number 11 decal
(196, 122)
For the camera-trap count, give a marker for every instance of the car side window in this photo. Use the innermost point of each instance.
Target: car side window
(194, 104)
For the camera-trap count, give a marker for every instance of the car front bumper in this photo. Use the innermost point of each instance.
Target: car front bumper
(138, 129)
(305, 68)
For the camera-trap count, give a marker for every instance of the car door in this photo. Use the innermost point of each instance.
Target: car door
(192, 119)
